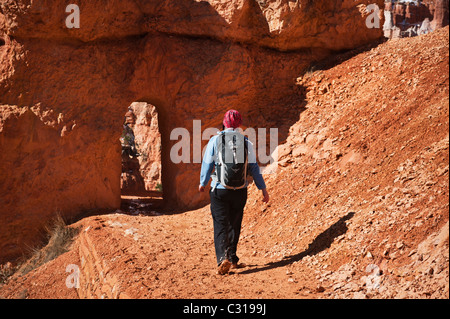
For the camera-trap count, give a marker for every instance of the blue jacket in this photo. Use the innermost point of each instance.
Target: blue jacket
(208, 165)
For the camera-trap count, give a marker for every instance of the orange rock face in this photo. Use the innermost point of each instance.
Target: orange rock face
(64, 91)
(143, 173)
(441, 14)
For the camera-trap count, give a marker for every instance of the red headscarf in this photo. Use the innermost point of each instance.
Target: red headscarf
(232, 119)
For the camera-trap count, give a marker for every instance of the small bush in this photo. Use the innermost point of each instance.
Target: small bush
(60, 236)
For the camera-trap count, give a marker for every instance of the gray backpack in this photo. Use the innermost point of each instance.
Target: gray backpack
(231, 160)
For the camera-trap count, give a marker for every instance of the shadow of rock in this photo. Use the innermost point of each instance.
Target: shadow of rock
(132, 180)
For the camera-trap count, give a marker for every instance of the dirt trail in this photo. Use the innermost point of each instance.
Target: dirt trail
(173, 257)
(167, 256)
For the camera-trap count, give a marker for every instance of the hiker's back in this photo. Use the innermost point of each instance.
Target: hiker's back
(231, 159)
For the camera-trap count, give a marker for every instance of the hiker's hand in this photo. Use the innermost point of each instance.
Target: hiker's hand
(265, 196)
(201, 188)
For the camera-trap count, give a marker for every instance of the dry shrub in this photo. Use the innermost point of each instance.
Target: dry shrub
(60, 237)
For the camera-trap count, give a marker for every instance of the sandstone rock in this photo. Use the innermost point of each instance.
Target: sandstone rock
(425, 27)
(280, 24)
(320, 289)
(403, 19)
(148, 140)
(441, 14)
(300, 150)
(359, 295)
(283, 151)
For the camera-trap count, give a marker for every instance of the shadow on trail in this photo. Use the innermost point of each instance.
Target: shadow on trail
(320, 243)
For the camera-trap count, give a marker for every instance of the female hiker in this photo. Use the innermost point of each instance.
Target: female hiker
(231, 156)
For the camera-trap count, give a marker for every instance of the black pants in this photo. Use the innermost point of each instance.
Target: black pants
(227, 210)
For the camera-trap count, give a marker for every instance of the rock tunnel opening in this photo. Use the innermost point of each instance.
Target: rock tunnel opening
(141, 177)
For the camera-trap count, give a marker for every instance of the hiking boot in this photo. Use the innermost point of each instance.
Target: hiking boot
(224, 267)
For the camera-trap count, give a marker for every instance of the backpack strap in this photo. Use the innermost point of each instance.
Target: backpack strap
(215, 180)
(214, 176)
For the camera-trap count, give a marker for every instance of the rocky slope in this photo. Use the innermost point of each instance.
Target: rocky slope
(359, 203)
(366, 169)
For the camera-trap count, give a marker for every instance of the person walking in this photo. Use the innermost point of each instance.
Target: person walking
(231, 156)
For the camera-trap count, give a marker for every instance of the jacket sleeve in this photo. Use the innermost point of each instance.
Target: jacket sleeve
(254, 169)
(208, 162)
